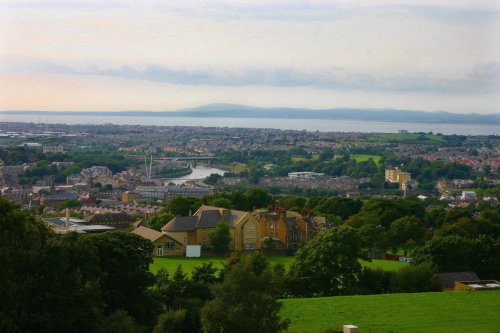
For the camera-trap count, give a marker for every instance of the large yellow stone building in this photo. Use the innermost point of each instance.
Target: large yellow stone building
(397, 176)
(244, 228)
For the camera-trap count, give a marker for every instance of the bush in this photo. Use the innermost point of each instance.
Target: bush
(415, 279)
(171, 322)
(374, 281)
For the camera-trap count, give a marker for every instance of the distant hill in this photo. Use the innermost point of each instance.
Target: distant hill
(241, 111)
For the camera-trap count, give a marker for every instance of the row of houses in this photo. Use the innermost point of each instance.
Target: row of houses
(277, 228)
(248, 230)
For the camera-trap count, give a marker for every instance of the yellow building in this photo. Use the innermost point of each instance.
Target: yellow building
(397, 176)
(163, 244)
(244, 229)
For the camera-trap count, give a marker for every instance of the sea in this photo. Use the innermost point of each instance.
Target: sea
(322, 125)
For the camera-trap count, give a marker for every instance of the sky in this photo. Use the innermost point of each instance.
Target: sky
(167, 55)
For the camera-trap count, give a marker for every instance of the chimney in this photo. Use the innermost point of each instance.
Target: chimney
(270, 208)
(282, 212)
(223, 212)
(190, 212)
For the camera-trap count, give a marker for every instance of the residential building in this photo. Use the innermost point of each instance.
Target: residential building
(53, 149)
(164, 192)
(196, 229)
(305, 174)
(75, 178)
(120, 220)
(396, 176)
(70, 224)
(402, 178)
(288, 229)
(468, 196)
(163, 245)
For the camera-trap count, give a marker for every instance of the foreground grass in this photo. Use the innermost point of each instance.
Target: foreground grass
(446, 312)
(188, 264)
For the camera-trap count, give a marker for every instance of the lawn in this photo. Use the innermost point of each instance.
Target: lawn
(445, 312)
(235, 167)
(188, 264)
(300, 158)
(409, 137)
(361, 158)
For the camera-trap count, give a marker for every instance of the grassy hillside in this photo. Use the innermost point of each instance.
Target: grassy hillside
(188, 264)
(447, 312)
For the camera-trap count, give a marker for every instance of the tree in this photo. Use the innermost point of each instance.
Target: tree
(435, 218)
(221, 202)
(374, 237)
(458, 254)
(71, 203)
(172, 321)
(158, 220)
(269, 243)
(119, 321)
(405, 229)
(220, 238)
(124, 263)
(290, 202)
(46, 278)
(328, 264)
(257, 198)
(212, 179)
(180, 206)
(244, 302)
(202, 278)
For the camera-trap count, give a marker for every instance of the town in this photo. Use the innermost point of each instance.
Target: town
(400, 213)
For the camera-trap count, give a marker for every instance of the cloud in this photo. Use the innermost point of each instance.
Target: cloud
(483, 78)
(290, 10)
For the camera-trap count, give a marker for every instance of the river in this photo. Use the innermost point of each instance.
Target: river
(199, 172)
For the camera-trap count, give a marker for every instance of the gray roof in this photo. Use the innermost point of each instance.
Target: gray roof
(447, 280)
(210, 218)
(112, 218)
(205, 218)
(58, 197)
(181, 223)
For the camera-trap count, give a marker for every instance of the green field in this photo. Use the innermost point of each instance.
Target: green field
(445, 312)
(409, 137)
(300, 158)
(188, 264)
(361, 158)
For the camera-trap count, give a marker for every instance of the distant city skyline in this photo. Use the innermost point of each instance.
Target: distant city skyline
(154, 55)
